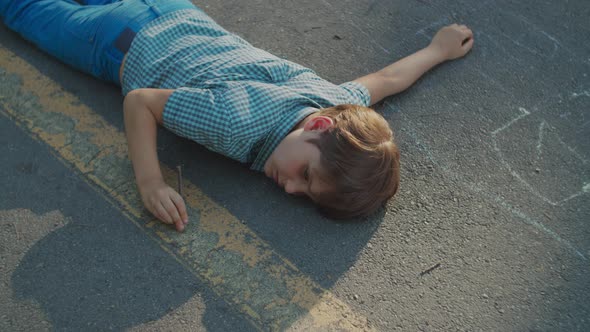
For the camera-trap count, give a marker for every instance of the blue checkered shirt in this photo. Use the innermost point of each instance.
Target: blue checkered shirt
(229, 96)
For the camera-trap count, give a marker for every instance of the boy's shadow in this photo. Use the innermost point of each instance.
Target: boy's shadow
(89, 268)
(321, 249)
(85, 281)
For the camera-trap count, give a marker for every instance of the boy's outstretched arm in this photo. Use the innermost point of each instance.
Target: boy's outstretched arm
(143, 110)
(449, 43)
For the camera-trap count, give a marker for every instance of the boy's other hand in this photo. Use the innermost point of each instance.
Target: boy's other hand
(453, 41)
(164, 203)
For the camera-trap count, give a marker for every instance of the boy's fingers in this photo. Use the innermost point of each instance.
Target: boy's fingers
(467, 33)
(164, 216)
(172, 211)
(179, 225)
(181, 207)
(468, 44)
(178, 219)
(467, 37)
(154, 211)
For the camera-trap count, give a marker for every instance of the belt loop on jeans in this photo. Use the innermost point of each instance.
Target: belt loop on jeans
(123, 42)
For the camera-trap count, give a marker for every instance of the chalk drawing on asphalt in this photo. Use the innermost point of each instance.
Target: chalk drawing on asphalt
(516, 212)
(543, 126)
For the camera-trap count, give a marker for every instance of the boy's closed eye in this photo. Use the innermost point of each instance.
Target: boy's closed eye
(306, 173)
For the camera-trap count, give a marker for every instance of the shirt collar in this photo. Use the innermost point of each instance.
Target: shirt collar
(284, 127)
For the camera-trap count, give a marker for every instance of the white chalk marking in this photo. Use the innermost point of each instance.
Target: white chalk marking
(409, 128)
(581, 94)
(573, 151)
(523, 114)
(540, 141)
(581, 192)
(437, 23)
(532, 50)
(519, 178)
(525, 183)
(538, 225)
(556, 43)
(568, 147)
(499, 46)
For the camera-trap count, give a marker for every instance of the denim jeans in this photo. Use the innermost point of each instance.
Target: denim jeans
(86, 35)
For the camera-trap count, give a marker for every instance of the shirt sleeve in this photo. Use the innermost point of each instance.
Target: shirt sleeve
(357, 93)
(199, 115)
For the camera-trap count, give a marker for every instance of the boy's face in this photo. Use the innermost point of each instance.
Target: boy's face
(295, 163)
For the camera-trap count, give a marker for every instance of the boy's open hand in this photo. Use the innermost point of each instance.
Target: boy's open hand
(453, 41)
(164, 203)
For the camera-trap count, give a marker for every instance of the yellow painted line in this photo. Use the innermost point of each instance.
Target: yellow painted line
(229, 257)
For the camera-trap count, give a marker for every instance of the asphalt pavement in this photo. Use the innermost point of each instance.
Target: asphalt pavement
(490, 229)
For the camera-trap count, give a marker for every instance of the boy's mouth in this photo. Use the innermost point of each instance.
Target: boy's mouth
(278, 179)
(274, 174)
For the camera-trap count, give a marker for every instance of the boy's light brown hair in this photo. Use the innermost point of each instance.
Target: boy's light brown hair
(359, 160)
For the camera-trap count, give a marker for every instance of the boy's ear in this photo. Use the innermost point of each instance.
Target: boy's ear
(320, 123)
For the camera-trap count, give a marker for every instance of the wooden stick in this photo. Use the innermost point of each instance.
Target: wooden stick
(430, 269)
(179, 171)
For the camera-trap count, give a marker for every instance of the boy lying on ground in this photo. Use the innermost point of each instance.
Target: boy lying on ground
(180, 69)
